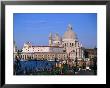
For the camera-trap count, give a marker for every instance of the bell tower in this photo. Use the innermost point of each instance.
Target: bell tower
(50, 39)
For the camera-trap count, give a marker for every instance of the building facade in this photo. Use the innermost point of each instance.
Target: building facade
(62, 48)
(90, 56)
(90, 53)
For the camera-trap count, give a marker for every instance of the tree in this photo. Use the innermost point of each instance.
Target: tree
(95, 65)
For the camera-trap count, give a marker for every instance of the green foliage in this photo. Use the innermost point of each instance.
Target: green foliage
(65, 68)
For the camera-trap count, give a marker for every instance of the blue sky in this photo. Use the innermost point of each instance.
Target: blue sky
(35, 27)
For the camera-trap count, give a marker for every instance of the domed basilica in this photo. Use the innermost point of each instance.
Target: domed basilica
(69, 42)
(62, 48)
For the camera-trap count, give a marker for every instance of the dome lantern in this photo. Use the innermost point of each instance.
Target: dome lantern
(69, 27)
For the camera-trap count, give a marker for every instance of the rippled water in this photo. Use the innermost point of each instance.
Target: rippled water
(30, 66)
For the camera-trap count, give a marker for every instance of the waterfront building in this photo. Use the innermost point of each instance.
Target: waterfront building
(72, 45)
(61, 48)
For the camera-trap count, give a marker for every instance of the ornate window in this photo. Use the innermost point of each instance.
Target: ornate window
(72, 44)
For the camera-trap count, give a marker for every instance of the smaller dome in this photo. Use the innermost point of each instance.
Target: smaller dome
(57, 37)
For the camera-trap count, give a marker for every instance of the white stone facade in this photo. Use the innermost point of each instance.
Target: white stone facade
(28, 48)
(69, 42)
(67, 46)
(44, 56)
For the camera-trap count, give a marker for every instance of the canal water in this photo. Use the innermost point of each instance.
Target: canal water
(31, 66)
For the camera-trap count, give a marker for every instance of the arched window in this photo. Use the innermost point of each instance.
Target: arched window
(25, 57)
(72, 44)
(78, 44)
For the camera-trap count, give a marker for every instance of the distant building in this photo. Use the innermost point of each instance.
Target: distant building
(62, 48)
(91, 53)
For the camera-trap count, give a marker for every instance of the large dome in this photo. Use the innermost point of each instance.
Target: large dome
(69, 34)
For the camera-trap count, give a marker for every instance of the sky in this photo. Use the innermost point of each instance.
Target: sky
(35, 27)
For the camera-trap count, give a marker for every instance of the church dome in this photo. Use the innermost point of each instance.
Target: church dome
(69, 34)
